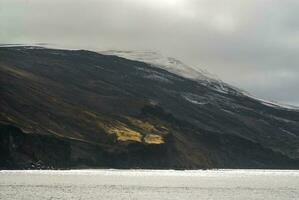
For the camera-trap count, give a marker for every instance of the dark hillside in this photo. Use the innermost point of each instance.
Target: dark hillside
(81, 109)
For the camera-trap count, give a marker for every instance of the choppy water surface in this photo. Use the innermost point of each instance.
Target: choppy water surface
(150, 184)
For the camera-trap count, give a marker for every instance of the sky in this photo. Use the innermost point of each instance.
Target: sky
(251, 44)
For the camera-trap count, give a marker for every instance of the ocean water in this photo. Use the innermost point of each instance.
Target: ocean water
(150, 184)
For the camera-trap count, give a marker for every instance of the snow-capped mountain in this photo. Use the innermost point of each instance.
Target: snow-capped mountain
(175, 66)
(172, 65)
(178, 67)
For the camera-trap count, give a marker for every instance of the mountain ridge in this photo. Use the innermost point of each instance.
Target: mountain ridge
(176, 66)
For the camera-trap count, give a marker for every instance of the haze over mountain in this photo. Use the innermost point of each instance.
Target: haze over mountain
(252, 44)
(81, 109)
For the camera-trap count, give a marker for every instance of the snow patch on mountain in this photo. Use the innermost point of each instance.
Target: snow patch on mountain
(271, 103)
(175, 66)
(195, 99)
(155, 59)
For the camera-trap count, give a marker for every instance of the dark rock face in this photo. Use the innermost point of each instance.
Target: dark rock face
(79, 109)
(20, 150)
(29, 151)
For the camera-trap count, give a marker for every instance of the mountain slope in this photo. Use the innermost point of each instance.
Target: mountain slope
(105, 111)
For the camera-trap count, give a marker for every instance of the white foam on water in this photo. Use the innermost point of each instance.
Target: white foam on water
(150, 184)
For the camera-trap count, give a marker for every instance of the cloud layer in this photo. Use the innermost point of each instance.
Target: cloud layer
(252, 44)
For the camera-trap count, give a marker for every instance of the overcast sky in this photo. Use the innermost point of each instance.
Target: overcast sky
(252, 44)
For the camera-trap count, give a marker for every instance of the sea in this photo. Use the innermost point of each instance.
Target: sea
(114, 184)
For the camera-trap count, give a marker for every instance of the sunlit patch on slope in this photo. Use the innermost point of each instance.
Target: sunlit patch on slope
(130, 129)
(125, 134)
(153, 139)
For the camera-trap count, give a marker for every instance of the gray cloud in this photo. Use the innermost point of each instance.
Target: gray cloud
(252, 44)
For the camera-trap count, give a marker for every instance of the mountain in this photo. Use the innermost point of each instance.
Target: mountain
(174, 66)
(80, 109)
(169, 64)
